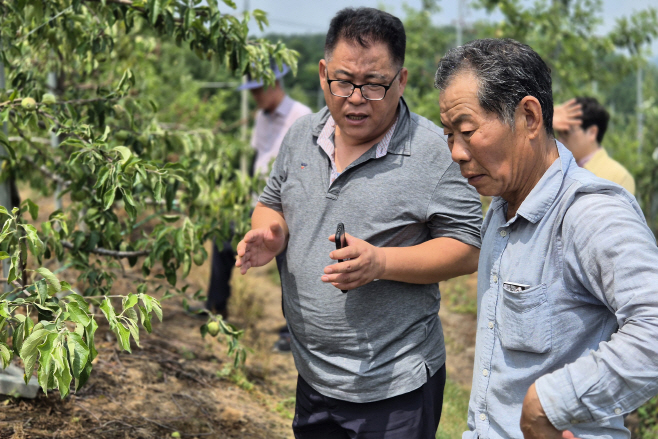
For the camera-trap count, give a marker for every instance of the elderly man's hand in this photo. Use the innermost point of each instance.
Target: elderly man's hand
(535, 423)
(366, 263)
(260, 246)
(567, 114)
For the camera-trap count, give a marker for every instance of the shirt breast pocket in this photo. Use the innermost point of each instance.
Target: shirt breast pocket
(526, 320)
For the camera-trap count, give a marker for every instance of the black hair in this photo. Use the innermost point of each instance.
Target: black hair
(594, 114)
(507, 71)
(365, 26)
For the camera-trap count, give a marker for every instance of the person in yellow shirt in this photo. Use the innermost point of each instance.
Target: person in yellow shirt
(580, 125)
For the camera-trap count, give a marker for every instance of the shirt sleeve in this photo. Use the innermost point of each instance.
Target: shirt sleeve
(455, 210)
(611, 254)
(271, 196)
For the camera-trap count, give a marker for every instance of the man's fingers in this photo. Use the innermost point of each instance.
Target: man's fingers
(345, 253)
(568, 435)
(343, 267)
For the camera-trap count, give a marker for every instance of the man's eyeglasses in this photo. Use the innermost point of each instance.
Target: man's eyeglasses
(371, 92)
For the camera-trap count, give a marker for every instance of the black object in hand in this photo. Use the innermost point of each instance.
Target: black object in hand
(341, 241)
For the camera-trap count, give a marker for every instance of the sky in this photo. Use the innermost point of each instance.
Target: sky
(313, 16)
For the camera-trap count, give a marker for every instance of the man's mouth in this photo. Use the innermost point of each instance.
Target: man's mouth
(355, 117)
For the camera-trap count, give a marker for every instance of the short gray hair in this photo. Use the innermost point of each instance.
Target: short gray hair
(507, 71)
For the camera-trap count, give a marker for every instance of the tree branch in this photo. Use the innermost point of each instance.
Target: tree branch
(18, 101)
(48, 173)
(113, 253)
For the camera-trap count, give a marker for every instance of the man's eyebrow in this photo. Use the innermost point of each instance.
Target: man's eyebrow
(459, 119)
(376, 76)
(367, 77)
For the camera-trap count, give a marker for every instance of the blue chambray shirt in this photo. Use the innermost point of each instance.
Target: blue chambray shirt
(567, 297)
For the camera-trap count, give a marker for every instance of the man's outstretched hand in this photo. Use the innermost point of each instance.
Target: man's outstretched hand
(366, 263)
(260, 246)
(535, 423)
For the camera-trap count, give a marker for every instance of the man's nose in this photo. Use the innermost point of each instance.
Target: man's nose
(357, 97)
(460, 152)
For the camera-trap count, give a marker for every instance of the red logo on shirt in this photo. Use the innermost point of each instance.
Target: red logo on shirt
(304, 165)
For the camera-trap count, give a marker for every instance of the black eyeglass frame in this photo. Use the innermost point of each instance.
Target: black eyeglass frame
(354, 86)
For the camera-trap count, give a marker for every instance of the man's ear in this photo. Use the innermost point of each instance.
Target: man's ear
(531, 114)
(322, 72)
(404, 74)
(591, 132)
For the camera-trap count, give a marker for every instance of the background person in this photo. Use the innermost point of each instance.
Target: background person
(370, 361)
(276, 113)
(567, 329)
(583, 135)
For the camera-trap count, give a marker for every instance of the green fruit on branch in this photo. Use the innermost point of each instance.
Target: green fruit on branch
(49, 98)
(213, 328)
(198, 258)
(29, 104)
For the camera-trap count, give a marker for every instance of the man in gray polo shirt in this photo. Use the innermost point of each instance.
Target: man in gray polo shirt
(371, 361)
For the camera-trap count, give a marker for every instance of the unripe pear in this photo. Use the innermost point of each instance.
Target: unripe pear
(198, 258)
(29, 104)
(49, 98)
(213, 328)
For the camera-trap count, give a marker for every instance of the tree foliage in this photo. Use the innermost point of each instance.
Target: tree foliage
(134, 187)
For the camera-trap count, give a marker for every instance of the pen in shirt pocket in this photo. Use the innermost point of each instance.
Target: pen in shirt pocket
(514, 287)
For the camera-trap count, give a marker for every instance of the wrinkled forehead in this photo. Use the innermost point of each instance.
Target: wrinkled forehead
(461, 89)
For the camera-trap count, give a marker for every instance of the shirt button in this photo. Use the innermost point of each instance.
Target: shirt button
(495, 279)
(483, 417)
(490, 325)
(485, 372)
(503, 233)
(617, 411)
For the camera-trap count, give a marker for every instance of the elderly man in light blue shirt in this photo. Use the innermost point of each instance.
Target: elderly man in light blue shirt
(567, 336)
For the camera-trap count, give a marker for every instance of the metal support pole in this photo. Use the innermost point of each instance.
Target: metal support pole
(244, 111)
(460, 22)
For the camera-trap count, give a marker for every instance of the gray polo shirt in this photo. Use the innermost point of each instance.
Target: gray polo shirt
(379, 340)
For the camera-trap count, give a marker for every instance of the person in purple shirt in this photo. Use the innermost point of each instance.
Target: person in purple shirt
(567, 325)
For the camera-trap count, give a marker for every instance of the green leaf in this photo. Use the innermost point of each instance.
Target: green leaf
(33, 209)
(89, 335)
(45, 374)
(123, 334)
(77, 315)
(145, 318)
(157, 7)
(50, 278)
(82, 303)
(130, 300)
(32, 235)
(157, 309)
(108, 310)
(134, 330)
(5, 355)
(29, 349)
(42, 288)
(3, 209)
(63, 374)
(124, 151)
(108, 198)
(78, 354)
(45, 360)
(103, 174)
